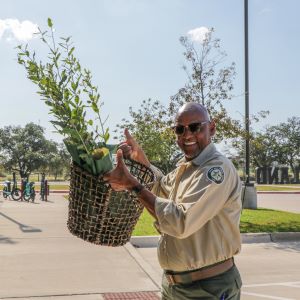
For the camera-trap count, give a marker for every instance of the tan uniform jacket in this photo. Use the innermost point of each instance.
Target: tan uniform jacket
(198, 206)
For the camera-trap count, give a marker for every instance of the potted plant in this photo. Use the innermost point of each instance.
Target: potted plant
(67, 89)
(96, 213)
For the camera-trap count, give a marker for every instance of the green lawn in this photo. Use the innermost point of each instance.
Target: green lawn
(54, 187)
(258, 188)
(295, 188)
(59, 187)
(268, 220)
(260, 220)
(252, 220)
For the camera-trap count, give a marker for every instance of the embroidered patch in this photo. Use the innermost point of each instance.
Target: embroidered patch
(216, 174)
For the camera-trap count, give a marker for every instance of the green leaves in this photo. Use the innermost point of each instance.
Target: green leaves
(50, 23)
(151, 128)
(67, 89)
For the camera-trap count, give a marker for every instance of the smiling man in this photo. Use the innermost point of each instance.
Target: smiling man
(197, 210)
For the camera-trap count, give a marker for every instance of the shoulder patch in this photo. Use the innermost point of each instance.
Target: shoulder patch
(215, 174)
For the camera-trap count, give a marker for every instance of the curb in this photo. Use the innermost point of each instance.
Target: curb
(247, 238)
(59, 192)
(147, 268)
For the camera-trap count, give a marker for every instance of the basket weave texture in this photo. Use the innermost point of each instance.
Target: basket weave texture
(98, 214)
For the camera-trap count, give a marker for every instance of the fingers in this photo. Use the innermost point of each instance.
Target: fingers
(120, 162)
(106, 176)
(126, 149)
(117, 187)
(120, 167)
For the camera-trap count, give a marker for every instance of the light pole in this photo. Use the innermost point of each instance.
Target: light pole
(247, 146)
(249, 196)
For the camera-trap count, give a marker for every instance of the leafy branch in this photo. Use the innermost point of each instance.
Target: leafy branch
(68, 90)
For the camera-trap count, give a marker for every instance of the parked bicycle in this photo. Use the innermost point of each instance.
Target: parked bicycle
(29, 191)
(12, 190)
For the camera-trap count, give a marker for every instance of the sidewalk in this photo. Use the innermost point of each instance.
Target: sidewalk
(41, 260)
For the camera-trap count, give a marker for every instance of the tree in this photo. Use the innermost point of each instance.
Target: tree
(209, 83)
(24, 149)
(279, 143)
(286, 146)
(59, 160)
(151, 127)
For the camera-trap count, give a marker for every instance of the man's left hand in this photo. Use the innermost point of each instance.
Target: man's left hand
(120, 178)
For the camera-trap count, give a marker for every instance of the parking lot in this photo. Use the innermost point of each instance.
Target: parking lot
(40, 259)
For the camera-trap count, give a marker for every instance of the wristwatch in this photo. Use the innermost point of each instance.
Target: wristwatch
(136, 190)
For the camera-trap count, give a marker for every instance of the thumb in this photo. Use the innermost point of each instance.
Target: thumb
(128, 136)
(120, 162)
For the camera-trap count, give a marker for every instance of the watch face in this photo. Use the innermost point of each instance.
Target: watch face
(137, 189)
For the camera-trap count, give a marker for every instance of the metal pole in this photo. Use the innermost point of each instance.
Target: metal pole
(247, 146)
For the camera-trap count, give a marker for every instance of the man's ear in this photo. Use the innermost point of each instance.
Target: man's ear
(212, 127)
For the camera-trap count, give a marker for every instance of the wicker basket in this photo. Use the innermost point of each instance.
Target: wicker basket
(98, 214)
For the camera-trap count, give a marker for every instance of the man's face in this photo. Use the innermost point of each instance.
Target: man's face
(190, 143)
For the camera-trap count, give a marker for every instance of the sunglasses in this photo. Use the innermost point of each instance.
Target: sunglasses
(193, 127)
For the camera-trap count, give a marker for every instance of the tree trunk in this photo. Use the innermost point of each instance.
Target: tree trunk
(293, 169)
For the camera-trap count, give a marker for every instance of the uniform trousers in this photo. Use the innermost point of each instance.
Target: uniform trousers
(225, 286)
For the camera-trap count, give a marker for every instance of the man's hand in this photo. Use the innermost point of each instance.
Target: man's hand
(131, 149)
(120, 178)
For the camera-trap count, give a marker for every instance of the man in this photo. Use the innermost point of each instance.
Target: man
(197, 210)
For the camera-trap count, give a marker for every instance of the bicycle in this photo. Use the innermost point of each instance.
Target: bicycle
(13, 191)
(29, 191)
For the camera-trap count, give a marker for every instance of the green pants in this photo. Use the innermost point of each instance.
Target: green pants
(224, 286)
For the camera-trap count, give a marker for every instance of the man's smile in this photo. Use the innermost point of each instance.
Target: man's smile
(189, 143)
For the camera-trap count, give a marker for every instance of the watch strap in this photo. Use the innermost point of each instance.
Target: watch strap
(136, 190)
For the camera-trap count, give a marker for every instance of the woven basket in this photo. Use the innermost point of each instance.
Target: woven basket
(98, 214)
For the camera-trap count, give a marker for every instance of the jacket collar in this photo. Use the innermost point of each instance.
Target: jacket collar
(204, 156)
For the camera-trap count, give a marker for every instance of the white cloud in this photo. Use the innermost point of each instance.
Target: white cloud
(20, 31)
(198, 34)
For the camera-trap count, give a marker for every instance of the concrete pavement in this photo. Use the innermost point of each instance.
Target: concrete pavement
(268, 270)
(287, 202)
(40, 259)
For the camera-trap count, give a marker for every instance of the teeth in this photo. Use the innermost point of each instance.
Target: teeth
(191, 143)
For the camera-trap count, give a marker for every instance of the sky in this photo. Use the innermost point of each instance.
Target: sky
(133, 51)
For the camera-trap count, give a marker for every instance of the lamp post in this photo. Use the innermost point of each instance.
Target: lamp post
(249, 196)
(247, 146)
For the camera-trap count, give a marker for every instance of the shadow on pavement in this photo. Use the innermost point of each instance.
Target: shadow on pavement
(285, 246)
(6, 240)
(24, 228)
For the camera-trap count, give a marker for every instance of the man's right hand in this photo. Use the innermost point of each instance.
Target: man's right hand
(131, 149)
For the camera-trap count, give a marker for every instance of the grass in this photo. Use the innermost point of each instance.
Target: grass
(259, 220)
(295, 188)
(268, 220)
(58, 187)
(32, 178)
(258, 188)
(252, 220)
(145, 225)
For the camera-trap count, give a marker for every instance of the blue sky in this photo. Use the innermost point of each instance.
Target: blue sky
(132, 48)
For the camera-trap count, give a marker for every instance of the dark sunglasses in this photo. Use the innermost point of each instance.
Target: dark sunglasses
(193, 127)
